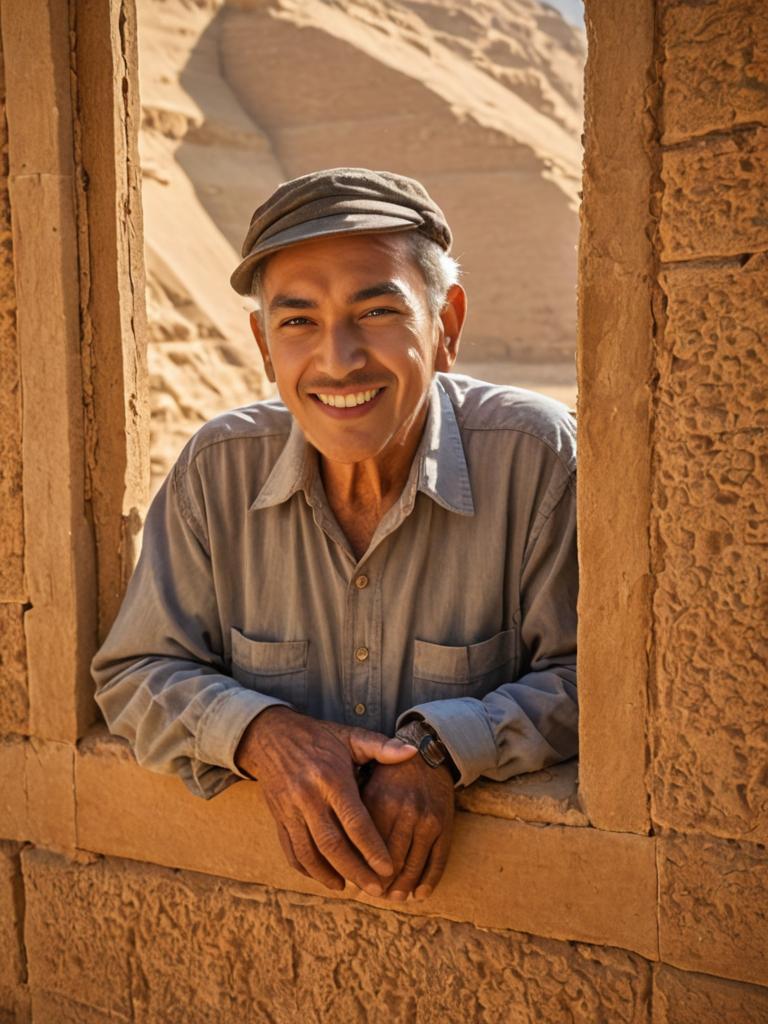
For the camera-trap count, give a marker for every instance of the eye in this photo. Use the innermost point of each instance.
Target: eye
(379, 311)
(296, 321)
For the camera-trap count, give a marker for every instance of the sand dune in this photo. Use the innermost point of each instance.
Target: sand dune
(481, 101)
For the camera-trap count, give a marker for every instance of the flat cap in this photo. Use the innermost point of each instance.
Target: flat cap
(338, 201)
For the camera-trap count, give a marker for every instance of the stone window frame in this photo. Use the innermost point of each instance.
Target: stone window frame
(88, 458)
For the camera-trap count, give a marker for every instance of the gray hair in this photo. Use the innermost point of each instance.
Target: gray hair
(439, 270)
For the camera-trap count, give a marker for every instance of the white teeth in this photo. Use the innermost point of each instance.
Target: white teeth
(348, 401)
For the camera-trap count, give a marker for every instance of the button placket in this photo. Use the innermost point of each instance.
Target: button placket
(360, 606)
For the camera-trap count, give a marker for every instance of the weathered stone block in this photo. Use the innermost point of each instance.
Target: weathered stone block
(680, 997)
(712, 360)
(52, 1009)
(713, 907)
(154, 945)
(600, 886)
(13, 791)
(715, 67)
(14, 697)
(549, 796)
(11, 504)
(615, 366)
(711, 511)
(715, 199)
(12, 961)
(49, 787)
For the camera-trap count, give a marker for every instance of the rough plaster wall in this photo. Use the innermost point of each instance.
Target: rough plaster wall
(14, 703)
(713, 526)
(14, 697)
(712, 906)
(12, 961)
(144, 943)
(710, 521)
(683, 998)
(716, 68)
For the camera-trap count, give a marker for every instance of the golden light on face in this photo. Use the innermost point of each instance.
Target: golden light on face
(351, 342)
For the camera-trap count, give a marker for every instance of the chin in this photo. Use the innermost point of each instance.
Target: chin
(347, 456)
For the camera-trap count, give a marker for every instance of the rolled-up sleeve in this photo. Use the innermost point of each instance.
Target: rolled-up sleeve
(530, 722)
(161, 674)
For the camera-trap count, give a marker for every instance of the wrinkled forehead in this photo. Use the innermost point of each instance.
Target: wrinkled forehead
(341, 262)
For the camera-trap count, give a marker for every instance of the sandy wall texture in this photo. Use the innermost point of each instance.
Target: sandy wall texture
(630, 887)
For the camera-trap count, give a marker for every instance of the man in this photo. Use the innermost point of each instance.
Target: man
(388, 548)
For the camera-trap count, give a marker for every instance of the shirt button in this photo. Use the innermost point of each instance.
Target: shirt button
(361, 654)
(361, 582)
(360, 709)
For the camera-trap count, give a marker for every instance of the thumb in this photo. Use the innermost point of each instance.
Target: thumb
(373, 746)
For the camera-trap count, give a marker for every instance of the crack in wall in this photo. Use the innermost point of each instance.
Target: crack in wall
(654, 115)
(713, 262)
(20, 918)
(715, 135)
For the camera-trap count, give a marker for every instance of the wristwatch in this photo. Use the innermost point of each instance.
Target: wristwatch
(418, 734)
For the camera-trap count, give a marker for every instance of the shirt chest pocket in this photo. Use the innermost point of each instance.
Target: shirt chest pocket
(441, 672)
(278, 669)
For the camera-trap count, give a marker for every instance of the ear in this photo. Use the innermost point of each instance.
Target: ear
(451, 319)
(261, 341)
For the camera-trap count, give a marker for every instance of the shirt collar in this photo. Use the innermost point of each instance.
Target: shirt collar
(442, 473)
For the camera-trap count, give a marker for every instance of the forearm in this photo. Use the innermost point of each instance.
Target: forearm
(520, 727)
(180, 717)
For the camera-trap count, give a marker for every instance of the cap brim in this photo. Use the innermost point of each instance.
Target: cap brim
(337, 224)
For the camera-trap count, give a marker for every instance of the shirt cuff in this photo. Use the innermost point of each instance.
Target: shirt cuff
(463, 727)
(221, 727)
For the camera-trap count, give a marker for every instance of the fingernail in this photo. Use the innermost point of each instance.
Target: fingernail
(398, 896)
(373, 889)
(423, 892)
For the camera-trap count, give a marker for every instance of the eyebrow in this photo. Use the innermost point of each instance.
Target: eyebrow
(371, 292)
(382, 288)
(291, 302)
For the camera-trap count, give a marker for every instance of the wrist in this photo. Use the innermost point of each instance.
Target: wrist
(249, 749)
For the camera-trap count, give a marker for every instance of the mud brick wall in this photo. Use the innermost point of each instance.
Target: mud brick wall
(14, 702)
(709, 528)
(631, 887)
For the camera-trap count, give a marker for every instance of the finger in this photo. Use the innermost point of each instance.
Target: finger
(399, 845)
(358, 826)
(310, 858)
(408, 879)
(374, 746)
(435, 867)
(290, 856)
(333, 844)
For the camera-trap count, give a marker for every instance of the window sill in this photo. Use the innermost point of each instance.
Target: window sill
(516, 861)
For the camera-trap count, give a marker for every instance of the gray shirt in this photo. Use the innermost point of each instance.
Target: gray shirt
(462, 610)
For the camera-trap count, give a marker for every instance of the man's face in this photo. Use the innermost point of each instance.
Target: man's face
(351, 342)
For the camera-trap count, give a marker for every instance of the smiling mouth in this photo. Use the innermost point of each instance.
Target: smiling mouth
(348, 401)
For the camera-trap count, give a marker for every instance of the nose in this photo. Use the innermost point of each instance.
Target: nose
(340, 351)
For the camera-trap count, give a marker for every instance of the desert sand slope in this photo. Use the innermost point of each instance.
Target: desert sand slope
(481, 101)
(199, 160)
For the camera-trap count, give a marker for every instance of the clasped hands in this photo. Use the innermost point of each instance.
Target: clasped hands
(390, 840)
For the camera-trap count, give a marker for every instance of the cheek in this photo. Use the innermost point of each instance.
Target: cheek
(417, 364)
